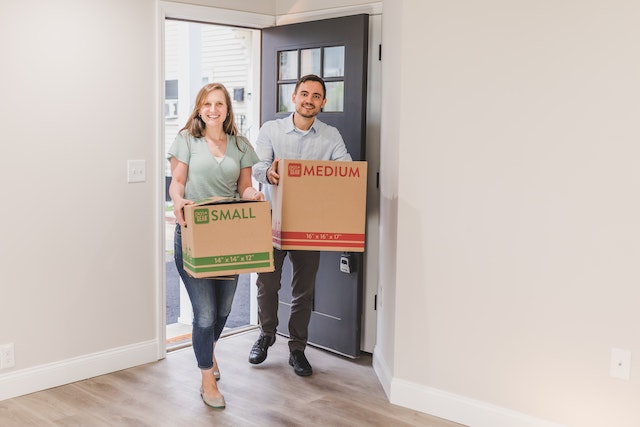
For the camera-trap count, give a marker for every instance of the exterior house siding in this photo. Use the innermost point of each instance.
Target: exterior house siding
(225, 58)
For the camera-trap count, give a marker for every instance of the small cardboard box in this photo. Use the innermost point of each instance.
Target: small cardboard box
(320, 205)
(226, 236)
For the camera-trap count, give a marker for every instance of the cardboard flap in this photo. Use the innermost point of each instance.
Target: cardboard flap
(220, 201)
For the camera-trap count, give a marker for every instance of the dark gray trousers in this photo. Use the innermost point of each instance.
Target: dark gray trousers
(303, 283)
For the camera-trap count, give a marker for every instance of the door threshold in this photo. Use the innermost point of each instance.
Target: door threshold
(177, 340)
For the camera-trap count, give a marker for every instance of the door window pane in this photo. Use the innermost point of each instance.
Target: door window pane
(285, 104)
(326, 62)
(309, 62)
(334, 61)
(288, 65)
(335, 96)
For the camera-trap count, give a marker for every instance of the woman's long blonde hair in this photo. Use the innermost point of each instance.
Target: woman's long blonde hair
(195, 126)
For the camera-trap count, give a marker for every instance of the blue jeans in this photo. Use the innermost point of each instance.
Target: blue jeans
(211, 301)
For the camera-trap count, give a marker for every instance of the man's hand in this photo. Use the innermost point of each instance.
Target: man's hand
(272, 175)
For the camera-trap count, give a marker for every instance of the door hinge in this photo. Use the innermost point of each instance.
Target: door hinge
(377, 179)
(375, 302)
(380, 52)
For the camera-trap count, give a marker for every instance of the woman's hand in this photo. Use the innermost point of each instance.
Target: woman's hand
(251, 193)
(179, 171)
(245, 189)
(178, 206)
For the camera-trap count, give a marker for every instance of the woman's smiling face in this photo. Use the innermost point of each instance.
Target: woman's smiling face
(214, 108)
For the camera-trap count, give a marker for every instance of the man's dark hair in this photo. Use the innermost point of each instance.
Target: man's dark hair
(312, 78)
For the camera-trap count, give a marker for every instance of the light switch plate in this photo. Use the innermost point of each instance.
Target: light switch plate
(136, 171)
(620, 363)
(7, 358)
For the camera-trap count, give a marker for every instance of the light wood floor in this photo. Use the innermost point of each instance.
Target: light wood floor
(341, 392)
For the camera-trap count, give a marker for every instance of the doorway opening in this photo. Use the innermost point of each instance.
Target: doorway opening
(196, 54)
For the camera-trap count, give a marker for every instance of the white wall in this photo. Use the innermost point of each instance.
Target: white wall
(518, 232)
(78, 247)
(82, 249)
(509, 265)
(284, 7)
(266, 7)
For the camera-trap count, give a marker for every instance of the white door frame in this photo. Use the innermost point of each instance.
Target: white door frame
(228, 17)
(171, 10)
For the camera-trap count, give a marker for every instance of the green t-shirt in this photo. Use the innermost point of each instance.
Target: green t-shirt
(208, 177)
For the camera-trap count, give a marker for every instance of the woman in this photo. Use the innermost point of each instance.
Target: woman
(208, 158)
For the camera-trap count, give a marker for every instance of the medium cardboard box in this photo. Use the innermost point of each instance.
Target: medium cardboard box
(320, 205)
(227, 236)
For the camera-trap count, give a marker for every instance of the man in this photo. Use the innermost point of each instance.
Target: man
(298, 136)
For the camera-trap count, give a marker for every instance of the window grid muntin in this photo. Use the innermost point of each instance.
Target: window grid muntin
(284, 105)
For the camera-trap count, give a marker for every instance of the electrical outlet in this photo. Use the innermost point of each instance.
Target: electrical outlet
(136, 171)
(7, 358)
(620, 363)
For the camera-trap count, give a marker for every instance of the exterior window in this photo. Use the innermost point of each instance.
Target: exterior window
(310, 61)
(288, 65)
(326, 62)
(334, 61)
(171, 99)
(335, 96)
(285, 104)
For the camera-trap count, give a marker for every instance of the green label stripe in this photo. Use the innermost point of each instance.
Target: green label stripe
(226, 262)
(228, 259)
(208, 269)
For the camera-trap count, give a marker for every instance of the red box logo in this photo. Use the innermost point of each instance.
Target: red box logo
(295, 169)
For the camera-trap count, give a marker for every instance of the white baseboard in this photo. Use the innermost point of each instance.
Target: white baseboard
(449, 406)
(25, 381)
(381, 368)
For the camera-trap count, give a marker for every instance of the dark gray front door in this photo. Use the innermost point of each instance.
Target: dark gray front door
(335, 49)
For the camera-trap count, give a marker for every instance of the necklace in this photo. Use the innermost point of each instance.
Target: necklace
(217, 143)
(217, 147)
